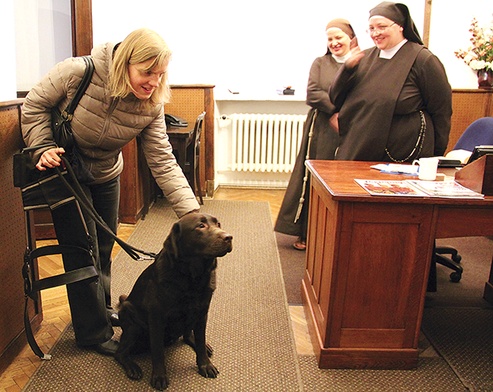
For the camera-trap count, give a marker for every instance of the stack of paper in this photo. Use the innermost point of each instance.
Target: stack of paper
(445, 189)
(450, 189)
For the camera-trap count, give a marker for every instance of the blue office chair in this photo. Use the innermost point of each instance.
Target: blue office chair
(479, 132)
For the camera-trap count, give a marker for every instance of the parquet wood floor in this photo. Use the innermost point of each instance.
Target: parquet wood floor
(57, 313)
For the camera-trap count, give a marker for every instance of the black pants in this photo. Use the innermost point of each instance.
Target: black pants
(89, 300)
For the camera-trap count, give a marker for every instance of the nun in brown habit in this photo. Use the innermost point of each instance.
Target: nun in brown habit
(394, 99)
(320, 134)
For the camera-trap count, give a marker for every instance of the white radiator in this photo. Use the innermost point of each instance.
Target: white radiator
(265, 142)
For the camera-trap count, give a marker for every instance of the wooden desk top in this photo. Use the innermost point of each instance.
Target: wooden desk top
(338, 179)
(179, 132)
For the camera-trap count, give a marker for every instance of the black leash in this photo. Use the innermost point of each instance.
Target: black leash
(81, 197)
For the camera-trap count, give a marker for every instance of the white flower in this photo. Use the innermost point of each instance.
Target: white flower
(477, 64)
(479, 55)
(468, 58)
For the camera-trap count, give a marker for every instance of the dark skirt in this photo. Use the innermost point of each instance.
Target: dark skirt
(292, 218)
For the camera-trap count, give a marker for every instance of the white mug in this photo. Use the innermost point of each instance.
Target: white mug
(427, 168)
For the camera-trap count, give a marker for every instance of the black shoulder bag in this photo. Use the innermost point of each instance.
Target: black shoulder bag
(62, 130)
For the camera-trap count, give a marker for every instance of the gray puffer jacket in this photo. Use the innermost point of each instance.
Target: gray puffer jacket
(102, 125)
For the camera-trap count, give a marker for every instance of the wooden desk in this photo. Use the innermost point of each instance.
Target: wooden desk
(367, 265)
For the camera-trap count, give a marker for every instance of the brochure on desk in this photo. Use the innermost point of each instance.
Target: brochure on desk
(417, 188)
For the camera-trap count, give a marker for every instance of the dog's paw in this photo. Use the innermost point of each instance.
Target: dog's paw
(209, 350)
(159, 382)
(208, 370)
(133, 371)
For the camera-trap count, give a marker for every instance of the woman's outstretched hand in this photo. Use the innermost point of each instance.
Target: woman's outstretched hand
(356, 54)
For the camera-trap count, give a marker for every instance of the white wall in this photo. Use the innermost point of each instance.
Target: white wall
(7, 68)
(450, 23)
(260, 44)
(43, 38)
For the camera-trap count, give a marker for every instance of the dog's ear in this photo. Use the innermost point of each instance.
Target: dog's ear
(172, 241)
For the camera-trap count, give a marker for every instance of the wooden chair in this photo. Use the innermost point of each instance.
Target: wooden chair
(192, 165)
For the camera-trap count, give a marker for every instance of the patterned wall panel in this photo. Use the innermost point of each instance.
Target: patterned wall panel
(467, 106)
(13, 238)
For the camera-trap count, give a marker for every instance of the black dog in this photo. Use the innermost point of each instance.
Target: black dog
(171, 298)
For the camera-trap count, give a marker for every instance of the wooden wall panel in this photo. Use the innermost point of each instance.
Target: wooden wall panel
(133, 205)
(13, 240)
(188, 101)
(81, 27)
(467, 106)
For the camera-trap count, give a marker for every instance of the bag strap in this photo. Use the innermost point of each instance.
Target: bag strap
(26, 150)
(81, 197)
(30, 336)
(33, 286)
(86, 79)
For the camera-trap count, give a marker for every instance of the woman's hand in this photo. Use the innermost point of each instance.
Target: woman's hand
(356, 54)
(334, 122)
(50, 159)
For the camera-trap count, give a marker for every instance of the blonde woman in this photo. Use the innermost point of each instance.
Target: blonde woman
(125, 98)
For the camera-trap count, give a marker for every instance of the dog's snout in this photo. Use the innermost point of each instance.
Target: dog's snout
(227, 237)
(223, 243)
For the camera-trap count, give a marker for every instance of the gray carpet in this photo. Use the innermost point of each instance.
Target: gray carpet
(463, 337)
(293, 267)
(249, 325)
(458, 321)
(250, 331)
(431, 375)
(457, 324)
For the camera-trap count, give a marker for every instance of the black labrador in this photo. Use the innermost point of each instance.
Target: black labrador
(171, 298)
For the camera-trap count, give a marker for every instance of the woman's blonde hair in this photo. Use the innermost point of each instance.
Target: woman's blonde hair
(139, 46)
